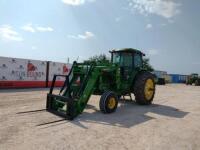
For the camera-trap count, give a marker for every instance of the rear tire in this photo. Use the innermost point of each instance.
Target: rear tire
(108, 102)
(144, 88)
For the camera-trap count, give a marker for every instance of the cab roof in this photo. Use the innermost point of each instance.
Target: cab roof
(128, 50)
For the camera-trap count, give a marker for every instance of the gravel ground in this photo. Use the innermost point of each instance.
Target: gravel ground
(172, 122)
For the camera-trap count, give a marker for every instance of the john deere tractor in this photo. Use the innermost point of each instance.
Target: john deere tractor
(193, 79)
(123, 76)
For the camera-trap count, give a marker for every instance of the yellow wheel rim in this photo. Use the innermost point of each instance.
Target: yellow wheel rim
(111, 103)
(149, 89)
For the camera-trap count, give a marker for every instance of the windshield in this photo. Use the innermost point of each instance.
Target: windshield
(127, 60)
(123, 59)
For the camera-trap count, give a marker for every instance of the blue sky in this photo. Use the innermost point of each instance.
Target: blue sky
(166, 30)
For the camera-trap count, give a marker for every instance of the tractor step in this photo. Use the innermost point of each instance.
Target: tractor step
(129, 94)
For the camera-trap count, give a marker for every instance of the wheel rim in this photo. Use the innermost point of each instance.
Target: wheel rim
(111, 103)
(149, 89)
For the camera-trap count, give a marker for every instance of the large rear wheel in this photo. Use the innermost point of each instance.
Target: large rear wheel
(144, 88)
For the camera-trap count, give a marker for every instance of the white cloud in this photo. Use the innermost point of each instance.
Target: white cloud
(76, 2)
(44, 29)
(8, 33)
(28, 28)
(164, 8)
(86, 35)
(31, 28)
(152, 52)
(149, 26)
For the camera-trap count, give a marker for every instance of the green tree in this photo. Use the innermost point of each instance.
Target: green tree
(102, 58)
(147, 66)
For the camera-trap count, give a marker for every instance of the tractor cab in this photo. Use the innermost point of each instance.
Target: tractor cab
(194, 75)
(193, 79)
(128, 60)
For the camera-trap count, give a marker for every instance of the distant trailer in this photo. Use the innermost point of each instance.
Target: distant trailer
(177, 78)
(22, 73)
(162, 75)
(26, 73)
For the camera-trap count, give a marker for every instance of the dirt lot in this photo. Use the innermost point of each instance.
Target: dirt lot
(172, 122)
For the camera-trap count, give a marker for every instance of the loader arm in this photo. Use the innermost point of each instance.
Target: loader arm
(88, 90)
(73, 96)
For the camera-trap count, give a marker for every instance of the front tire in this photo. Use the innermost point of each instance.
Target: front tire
(144, 88)
(108, 102)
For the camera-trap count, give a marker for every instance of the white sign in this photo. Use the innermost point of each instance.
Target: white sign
(56, 68)
(14, 69)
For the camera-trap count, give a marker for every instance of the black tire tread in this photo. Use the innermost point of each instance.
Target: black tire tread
(103, 100)
(139, 88)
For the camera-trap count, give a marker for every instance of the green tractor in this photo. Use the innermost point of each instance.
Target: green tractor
(123, 76)
(193, 79)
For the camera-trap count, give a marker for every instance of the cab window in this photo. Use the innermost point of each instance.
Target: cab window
(116, 58)
(127, 60)
(137, 60)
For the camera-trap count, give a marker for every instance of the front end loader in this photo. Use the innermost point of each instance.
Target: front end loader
(124, 75)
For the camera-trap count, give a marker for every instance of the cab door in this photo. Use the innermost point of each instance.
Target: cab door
(126, 65)
(137, 61)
